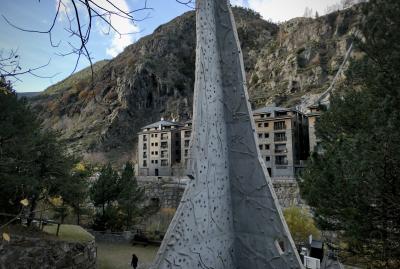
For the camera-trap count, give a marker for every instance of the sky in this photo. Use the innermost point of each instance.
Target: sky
(35, 49)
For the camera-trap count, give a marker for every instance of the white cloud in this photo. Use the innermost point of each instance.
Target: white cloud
(283, 10)
(128, 30)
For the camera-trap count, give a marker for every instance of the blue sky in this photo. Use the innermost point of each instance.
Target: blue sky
(35, 49)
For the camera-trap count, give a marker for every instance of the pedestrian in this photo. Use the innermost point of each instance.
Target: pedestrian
(134, 261)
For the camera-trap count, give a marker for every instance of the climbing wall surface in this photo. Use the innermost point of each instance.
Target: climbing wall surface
(229, 216)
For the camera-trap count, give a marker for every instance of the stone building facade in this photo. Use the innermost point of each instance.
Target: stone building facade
(283, 139)
(186, 132)
(159, 148)
(313, 115)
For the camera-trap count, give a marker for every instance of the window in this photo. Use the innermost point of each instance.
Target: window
(266, 135)
(260, 135)
(267, 146)
(164, 136)
(267, 159)
(144, 154)
(280, 137)
(156, 152)
(281, 160)
(156, 144)
(260, 125)
(164, 145)
(164, 162)
(164, 154)
(152, 161)
(155, 135)
(144, 137)
(152, 144)
(281, 113)
(279, 125)
(144, 146)
(280, 148)
(187, 143)
(144, 163)
(260, 147)
(152, 153)
(265, 124)
(152, 135)
(262, 115)
(155, 161)
(186, 152)
(187, 133)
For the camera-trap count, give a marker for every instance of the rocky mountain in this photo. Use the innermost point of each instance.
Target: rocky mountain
(154, 77)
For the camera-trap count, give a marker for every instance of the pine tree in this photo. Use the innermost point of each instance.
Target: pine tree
(354, 186)
(131, 195)
(34, 164)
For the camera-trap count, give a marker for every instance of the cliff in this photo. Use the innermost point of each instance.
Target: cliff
(154, 77)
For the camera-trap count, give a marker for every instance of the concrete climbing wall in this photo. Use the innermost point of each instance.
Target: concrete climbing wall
(229, 216)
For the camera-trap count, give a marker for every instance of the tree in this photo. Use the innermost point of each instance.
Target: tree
(105, 189)
(301, 224)
(34, 163)
(308, 12)
(131, 196)
(354, 186)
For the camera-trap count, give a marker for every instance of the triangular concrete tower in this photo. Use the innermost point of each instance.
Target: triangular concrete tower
(229, 216)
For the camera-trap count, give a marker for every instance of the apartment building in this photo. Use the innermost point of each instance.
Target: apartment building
(313, 116)
(159, 148)
(186, 132)
(282, 139)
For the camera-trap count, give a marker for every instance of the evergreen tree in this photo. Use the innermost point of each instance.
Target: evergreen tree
(34, 164)
(354, 185)
(104, 194)
(131, 196)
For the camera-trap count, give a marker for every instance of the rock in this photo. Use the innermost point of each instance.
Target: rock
(154, 77)
(32, 253)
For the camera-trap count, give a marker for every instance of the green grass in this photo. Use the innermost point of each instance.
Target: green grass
(71, 233)
(118, 256)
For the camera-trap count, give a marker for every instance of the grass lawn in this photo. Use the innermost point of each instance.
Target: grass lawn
(71, 233)
(118, 256)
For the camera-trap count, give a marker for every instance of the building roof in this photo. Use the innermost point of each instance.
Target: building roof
(162, 123)
(270, 109)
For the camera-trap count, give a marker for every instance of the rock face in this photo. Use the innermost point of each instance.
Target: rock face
(36, 253)
(155, 77)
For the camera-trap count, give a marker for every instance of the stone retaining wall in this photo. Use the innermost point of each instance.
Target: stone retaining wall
(37, 253)
(168, 190)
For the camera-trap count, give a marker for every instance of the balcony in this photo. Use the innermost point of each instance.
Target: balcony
(164, 136)
(280, 138)
(164, 145)
(281, 150)
(164, 154)
(280, 125)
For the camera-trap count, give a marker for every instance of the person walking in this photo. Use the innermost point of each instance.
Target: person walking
(134, 261)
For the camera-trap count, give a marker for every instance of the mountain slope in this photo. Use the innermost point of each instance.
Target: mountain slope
(154, 77)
